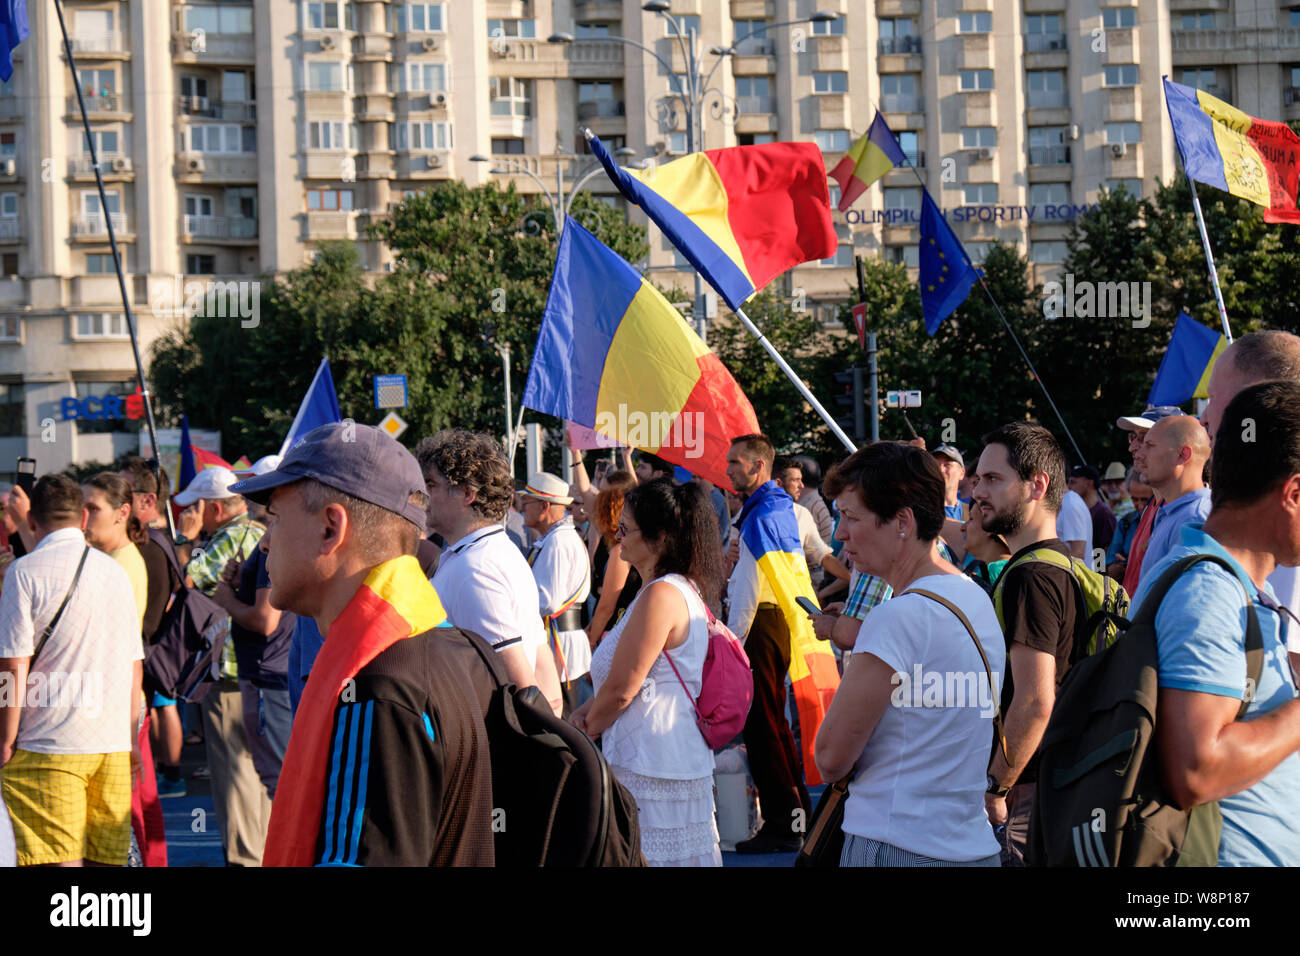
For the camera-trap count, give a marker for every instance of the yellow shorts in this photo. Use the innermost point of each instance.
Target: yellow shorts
(68, 807)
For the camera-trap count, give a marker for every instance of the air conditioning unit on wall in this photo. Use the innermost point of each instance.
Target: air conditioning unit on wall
(1118, 149)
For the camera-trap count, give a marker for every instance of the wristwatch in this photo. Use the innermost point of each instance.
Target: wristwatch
(181, 539)
(993, 787)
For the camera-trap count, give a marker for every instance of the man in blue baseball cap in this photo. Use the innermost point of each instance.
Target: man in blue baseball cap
(388, 760)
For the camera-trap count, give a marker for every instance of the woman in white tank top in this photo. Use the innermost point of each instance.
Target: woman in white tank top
(642, 713)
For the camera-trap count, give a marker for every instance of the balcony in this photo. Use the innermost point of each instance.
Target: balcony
(328, 164)
(904, 44)
(195, 46)
(1049, 155)
(232, 111)
(900, 103)
(1048, 99)
(597, 11)
(11, 109)
(1291, 96)
(103, 44)
(104, 103)
(600, 109)
(915, 158)
(94, 224)
(1045, 42)
(220, 227)
(216, 167)
(331, 225)
(110, 165)
(10, 230)
(749, 105)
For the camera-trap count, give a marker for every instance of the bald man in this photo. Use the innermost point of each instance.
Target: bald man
(1259, 357)
(1172, 457)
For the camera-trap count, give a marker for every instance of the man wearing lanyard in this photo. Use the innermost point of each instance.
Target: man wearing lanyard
(483, 580)
(563, 574)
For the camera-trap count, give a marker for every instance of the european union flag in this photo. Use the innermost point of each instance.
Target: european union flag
(946, 273)
(13, 31)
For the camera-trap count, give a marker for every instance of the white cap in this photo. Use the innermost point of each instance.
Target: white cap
(546, 487)
(260, 467)
(208, 484)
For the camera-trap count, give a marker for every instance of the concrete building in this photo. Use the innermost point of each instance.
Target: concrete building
(235, 136)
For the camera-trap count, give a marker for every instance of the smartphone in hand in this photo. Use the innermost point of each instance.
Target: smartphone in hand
(807, 604)
(26, 475)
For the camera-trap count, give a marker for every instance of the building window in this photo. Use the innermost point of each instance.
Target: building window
(679, 260)
(194, 86)
(200, 264)
(107, 142)
(324, 77)
(832, 140)
(831, 82)
(12, 399)
(1124, 75)
(222, 138)
(418, 18)
(11, 330)
(432, 135)
(420, 78)
(198, 206)
(1207, 80)
(1043, 33)
(756, 139)
(329, 200)
(975, 80)
(747, 86)
(1119, 18)
(835, 193)
(898, 92)
(1047, 145)
(101, 263)
(592, 31)
(908, 142)
(8, 145)
(686, 22)
(329, 135)
(981, 22)
(514, 29)
(829, 28)
(101, 325)
(1046, 88)
(329, 15)
(1295, 18)
(98, 83)
(843, 256)
(1123, 133)
(510, 96)
(1048, 252)
(92, 25)
(898, 35)
(507, 146)
(1049, 194)
(1202, 20)
(909, 256)
(973, 137)
(980, 194)
(977, 251)
(749, 36)
(219, 19)
(90, 205)
(9, 264)
(1131, 186)
(902, 197)
(8, 205)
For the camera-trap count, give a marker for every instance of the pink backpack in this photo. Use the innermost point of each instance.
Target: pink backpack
(727, 688)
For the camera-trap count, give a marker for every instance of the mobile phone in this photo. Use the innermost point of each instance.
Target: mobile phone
(26, 475)
(602, 468)
(807, 604)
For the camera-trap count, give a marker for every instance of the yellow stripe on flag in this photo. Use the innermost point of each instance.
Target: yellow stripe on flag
(1203, 386)
(869, 160)
(403, 585)
(1243, 167)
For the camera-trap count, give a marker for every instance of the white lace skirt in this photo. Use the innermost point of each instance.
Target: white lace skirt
(677, 821)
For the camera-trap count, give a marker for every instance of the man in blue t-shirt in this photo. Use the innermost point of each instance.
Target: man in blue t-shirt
(1208, 755)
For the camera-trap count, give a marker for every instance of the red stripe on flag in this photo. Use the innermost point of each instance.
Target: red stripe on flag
(1280, 148)
(715, 412)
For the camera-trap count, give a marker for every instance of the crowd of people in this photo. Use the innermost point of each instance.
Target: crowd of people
(344, 726)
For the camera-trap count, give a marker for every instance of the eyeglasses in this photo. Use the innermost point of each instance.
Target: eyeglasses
(622, 531)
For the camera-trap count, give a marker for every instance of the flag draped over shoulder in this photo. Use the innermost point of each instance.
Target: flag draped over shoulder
(1221, 146)
(1187, 364)
(320, 406)
(396, 601)
(946, 274)
(741, 215)
(615, 356)
(875, 154)
(771, 533)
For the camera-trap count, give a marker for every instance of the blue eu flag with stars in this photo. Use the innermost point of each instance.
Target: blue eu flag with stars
(946, 273)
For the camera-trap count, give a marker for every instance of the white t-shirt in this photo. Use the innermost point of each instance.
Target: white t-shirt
(1074, 523)
(814, 548)
(78, 693)
(486, 586)
(562, 568)
(919, 784)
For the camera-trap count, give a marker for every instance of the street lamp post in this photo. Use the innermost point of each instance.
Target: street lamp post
(692, 92)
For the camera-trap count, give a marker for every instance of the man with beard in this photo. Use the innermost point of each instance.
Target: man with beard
(1020, 481)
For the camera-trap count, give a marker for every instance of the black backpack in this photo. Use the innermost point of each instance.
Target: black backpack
(190, 639)
(1101, 799)
(561, 804)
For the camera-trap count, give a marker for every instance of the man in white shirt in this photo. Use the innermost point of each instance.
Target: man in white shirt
(1074, 527)
(816, 551)
(483, 580)
(69, 702)
(562, 570)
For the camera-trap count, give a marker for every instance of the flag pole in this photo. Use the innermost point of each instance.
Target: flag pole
(1010, 331)
(796, 381)
(153, 461)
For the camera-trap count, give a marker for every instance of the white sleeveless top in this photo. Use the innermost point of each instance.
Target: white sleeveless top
(656, 735)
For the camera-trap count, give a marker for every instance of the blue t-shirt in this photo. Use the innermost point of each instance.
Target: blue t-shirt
(303, 648)
(1193, 507)
(262, 659)
(953, 511)
(1201, 640)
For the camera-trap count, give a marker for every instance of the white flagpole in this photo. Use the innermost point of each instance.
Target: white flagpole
(1209, 255)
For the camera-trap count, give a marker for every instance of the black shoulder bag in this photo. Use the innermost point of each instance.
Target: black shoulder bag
(54, 621)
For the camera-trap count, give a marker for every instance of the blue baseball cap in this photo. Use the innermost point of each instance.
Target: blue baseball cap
(1153, 414)
(358, 460)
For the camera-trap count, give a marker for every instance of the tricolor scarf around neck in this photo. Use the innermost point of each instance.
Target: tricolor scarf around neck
(396, 601)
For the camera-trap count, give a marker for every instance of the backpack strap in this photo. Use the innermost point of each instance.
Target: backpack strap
(1146, 614)
(54, 621)
(1083, 623)
(961, 616)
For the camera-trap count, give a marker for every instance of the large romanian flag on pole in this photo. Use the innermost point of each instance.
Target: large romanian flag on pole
(1221, 146)
(771, 534)
(742, 215)
(615, 356)
(875, 154)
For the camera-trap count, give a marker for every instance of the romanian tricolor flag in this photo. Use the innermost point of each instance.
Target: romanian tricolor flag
(769, 530)
(741, 215)
(875, 154)
(1185, 370)
(615, 356)
(1223, 147)
(394, 602)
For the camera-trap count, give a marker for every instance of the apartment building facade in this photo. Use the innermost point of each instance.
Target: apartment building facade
(233, 137)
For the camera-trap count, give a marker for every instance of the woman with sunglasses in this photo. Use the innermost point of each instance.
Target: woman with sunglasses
(644, 711)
